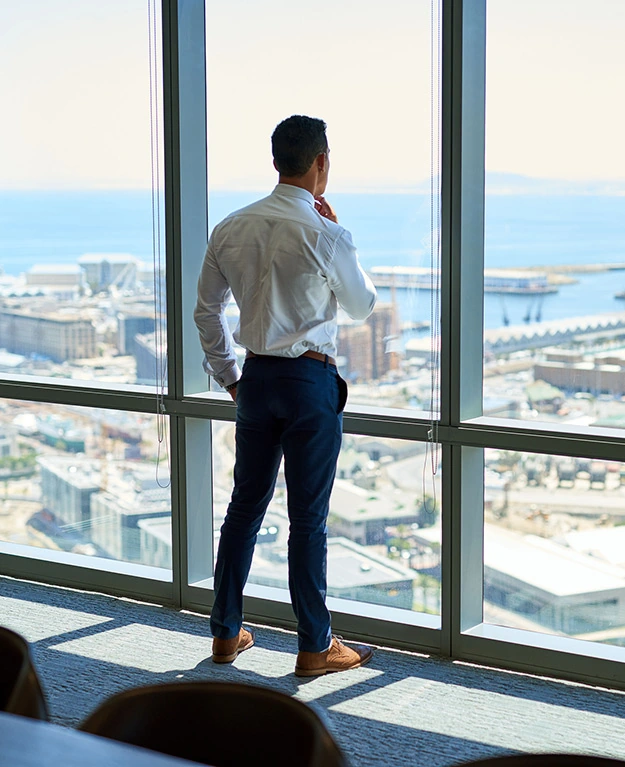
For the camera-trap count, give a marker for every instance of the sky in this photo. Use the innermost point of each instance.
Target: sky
(75, 90)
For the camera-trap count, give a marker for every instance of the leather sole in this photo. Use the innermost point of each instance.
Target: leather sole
(322, 670)
(233, 655)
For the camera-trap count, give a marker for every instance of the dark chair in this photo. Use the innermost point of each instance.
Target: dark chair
(545, 760)
(218, 723)
(20, 689)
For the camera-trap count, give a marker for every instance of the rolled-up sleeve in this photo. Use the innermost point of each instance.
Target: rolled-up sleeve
(210, 317)
(348, 281)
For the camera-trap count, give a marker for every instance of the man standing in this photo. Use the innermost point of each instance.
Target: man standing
(288, 264)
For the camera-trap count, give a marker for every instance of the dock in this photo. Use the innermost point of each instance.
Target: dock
(531, 280)
(515, 281)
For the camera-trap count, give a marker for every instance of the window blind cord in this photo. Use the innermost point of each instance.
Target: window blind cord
(432, 446)
(160, 361)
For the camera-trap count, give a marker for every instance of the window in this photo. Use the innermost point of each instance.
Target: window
(82, 278)
(553, 279)
(375, 84)
(384, 531)
(499, 545)
(551, 552)
(85, 481)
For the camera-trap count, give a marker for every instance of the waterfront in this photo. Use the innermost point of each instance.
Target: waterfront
(552, 357)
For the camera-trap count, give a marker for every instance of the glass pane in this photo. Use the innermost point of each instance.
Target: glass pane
(373, 86)
(87, 481)
(81, 281)
(554, 545)
(384, 531)
(555, 213)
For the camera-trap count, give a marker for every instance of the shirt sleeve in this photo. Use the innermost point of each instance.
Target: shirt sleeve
(214, 294)
(349, 282)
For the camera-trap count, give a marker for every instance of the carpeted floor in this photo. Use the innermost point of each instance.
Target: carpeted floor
(401, 709)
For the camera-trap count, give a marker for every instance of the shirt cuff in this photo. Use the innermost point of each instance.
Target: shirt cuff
(229, 377)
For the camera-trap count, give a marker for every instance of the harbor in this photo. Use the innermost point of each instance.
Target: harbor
(532, 281)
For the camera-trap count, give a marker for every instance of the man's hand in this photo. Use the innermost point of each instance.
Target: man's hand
(325, 209)
(233, 394)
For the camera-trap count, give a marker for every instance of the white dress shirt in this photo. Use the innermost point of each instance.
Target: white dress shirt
(287, 267)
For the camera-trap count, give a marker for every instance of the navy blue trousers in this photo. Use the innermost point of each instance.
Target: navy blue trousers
(292, 408)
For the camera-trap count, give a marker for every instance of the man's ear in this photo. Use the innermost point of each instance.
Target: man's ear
(275, 166)
(321, 162)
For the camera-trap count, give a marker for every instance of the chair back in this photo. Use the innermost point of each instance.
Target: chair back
(218, 723)
(20, 688)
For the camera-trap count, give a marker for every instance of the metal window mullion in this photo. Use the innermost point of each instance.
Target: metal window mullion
(462, 208)
(462, 240)
(186, 233)
(550, 443)
(449, 350)
(67, 394)
(172, 181)
(186, 184)
(469, 117)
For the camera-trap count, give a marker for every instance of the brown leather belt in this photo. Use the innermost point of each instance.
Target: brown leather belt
(309, 353)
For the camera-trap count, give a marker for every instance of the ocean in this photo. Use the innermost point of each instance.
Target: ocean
(46, 227)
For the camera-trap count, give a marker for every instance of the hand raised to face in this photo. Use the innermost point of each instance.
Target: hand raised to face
(324, 209)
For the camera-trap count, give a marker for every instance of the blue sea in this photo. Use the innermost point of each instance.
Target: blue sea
(389, 229)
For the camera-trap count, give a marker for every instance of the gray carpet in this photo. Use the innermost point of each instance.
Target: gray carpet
(401, 709)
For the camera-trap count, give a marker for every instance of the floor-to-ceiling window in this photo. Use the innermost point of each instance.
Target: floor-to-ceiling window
(83, 466)
(553, 316)
(478, 501)
(373, 76)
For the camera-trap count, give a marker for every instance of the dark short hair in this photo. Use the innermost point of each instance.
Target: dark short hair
(296, 142)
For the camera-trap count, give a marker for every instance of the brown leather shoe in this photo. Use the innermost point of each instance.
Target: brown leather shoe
(226, 650)
(338, 658)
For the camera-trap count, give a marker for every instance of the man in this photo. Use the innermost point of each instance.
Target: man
(288, 264)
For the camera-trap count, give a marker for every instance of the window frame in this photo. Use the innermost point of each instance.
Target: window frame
(461, 430)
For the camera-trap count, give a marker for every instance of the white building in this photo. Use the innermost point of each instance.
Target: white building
(65, 282)
(562, 589)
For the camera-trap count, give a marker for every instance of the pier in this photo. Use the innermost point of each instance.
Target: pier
(532, 280)
(554, 332)
(517, 281)
(539, 335)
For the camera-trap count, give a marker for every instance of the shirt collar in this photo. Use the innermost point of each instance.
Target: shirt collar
(288, 190)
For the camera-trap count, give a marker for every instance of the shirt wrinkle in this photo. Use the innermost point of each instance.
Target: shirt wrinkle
(287, 267)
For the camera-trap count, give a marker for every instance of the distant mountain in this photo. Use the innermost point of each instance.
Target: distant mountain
(496, 183)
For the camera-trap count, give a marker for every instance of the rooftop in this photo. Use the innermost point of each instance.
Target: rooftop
(354, 503)
(547, 565)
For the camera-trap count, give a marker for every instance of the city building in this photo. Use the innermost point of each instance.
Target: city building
(385, 352)
(363, 515)
(57, 335)
(544, 397)
(564, 590)
(61, 433)
(353, 573)
(65, 281)
(133, 321)
(67, 485)
(368, 349)
(104, 271)
(599, 375)
(155, 541)
(149, 356)
(354, 347)
(118, 509)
